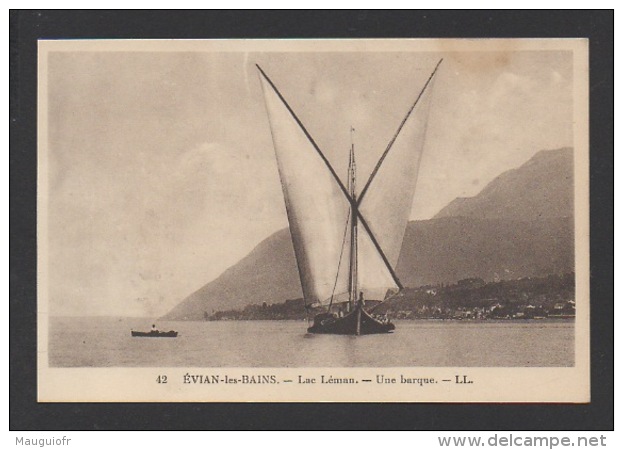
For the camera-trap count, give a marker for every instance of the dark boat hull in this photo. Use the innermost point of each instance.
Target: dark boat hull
(330, 324)
(154, 333)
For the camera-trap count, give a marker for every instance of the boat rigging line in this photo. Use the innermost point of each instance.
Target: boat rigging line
(339, 264)
(393, 139)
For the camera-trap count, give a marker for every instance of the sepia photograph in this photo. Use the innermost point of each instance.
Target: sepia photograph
(389, 220)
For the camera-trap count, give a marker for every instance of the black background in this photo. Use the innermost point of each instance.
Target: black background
(28, 26)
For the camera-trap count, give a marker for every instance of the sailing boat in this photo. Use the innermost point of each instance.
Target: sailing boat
(346, 241)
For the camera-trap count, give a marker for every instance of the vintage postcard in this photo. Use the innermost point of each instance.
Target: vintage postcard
(313, 220)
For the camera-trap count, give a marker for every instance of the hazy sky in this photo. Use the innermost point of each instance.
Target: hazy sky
(162, 172)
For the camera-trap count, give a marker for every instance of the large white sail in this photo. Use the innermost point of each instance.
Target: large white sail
(386, 203)
(318, 204)
(317, 209)
(374, 278)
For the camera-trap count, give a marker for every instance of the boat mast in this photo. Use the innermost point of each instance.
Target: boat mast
(353, 222)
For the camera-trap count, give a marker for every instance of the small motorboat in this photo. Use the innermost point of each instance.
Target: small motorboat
(154, 333)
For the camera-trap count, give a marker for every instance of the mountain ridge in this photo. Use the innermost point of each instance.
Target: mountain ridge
(546, 179)
(519, 225)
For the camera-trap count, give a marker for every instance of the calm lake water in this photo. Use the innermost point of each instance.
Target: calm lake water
(106, 342)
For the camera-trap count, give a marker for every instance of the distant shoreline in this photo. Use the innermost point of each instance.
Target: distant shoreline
(470, 299)
(151, 319)
(419, 319)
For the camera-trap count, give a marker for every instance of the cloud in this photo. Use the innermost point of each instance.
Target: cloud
(508, 87)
